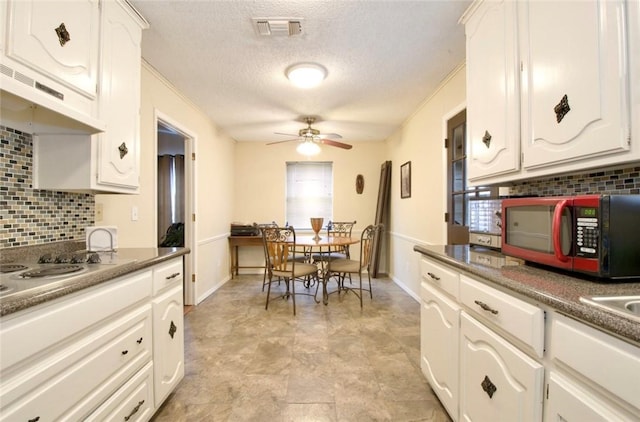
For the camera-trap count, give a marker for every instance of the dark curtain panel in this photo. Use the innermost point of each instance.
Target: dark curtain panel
(179, 216)
(165, 214)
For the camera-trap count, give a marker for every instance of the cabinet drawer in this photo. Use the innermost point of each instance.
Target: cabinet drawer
(612, 364)
(28, 334)
(167, 275)
(519, 319)
(87, 371)
(498, 382)
(133, 402)
(439, 275)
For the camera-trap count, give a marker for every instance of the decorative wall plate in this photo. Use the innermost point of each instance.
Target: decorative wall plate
(359, 183)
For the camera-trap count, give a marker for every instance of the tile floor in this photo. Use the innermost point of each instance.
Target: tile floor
(328, 363)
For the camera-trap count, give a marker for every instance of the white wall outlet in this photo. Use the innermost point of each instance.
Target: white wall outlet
(134, 213)
(99, 211)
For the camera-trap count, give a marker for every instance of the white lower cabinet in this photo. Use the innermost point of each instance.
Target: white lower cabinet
(593, 376)
(86, 345)
(498, 382)
(94, 355)
(492, 356)
(168, 339)
(168, 328)
(439, 340)
(474, 343)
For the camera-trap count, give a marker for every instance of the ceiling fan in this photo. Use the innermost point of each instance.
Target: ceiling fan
(313, 136)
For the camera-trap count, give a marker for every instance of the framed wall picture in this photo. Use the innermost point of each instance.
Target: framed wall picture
(405, 180)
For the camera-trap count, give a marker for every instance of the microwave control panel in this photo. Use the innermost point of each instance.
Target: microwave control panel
(587, 232)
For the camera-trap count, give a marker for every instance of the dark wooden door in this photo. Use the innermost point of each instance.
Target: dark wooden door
(457, 204)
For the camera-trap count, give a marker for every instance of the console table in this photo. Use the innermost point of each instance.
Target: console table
(234, 243)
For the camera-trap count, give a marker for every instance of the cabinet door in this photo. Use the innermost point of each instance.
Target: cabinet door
(568, 402)
(493, 112)
(168, 343)
(439, 340)
(497, 381)
(34, 40)
(118, 161)
(575, 89)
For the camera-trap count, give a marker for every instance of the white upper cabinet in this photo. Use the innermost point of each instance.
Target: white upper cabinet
(109, 161)
(493, 125)
(575, 85)
(50, 54)
(552, 87)
(119, 145)
(57, 39)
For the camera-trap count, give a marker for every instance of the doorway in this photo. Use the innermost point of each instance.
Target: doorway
(171, 185)
(174, 195)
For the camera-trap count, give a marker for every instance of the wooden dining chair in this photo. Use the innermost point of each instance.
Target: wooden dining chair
(280, 251)
(341, 268)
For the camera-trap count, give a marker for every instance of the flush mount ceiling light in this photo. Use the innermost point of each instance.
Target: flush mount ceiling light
(306, 75)
(308, 148)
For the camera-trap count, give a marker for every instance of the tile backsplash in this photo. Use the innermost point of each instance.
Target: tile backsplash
(616, 181)
(30, 216)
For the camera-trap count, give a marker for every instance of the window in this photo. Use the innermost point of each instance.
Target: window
(309, 192)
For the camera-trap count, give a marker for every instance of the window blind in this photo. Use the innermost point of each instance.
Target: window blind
(309, 192)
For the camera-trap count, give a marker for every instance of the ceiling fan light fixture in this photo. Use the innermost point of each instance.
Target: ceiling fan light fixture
(308, 148)
(306, 75)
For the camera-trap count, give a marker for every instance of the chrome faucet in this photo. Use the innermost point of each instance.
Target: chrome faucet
(90, 247)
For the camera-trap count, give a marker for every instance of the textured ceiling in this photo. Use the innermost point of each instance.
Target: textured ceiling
(384, 58)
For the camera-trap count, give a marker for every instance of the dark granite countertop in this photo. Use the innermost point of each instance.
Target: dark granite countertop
(137, 259)
(560, 291)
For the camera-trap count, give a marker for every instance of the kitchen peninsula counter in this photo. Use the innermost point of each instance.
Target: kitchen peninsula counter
(133, 259)
(557, 290)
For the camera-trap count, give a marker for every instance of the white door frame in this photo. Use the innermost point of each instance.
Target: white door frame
(190, 198)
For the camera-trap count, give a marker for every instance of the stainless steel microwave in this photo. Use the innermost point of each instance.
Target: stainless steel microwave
(597, 235)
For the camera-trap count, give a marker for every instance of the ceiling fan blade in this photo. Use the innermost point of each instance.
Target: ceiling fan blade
(286, 140)
(285, 134)
(334, 143)
(330, 135)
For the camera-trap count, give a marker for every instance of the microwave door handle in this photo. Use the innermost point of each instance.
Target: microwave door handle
(556, 229)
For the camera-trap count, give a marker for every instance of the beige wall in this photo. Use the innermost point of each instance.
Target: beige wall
(419, 219)
(214, 177)
(260, 181)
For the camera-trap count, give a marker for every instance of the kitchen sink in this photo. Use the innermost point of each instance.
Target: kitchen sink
(628, 306)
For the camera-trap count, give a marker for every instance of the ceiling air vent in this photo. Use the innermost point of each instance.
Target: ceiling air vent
(278, 27)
